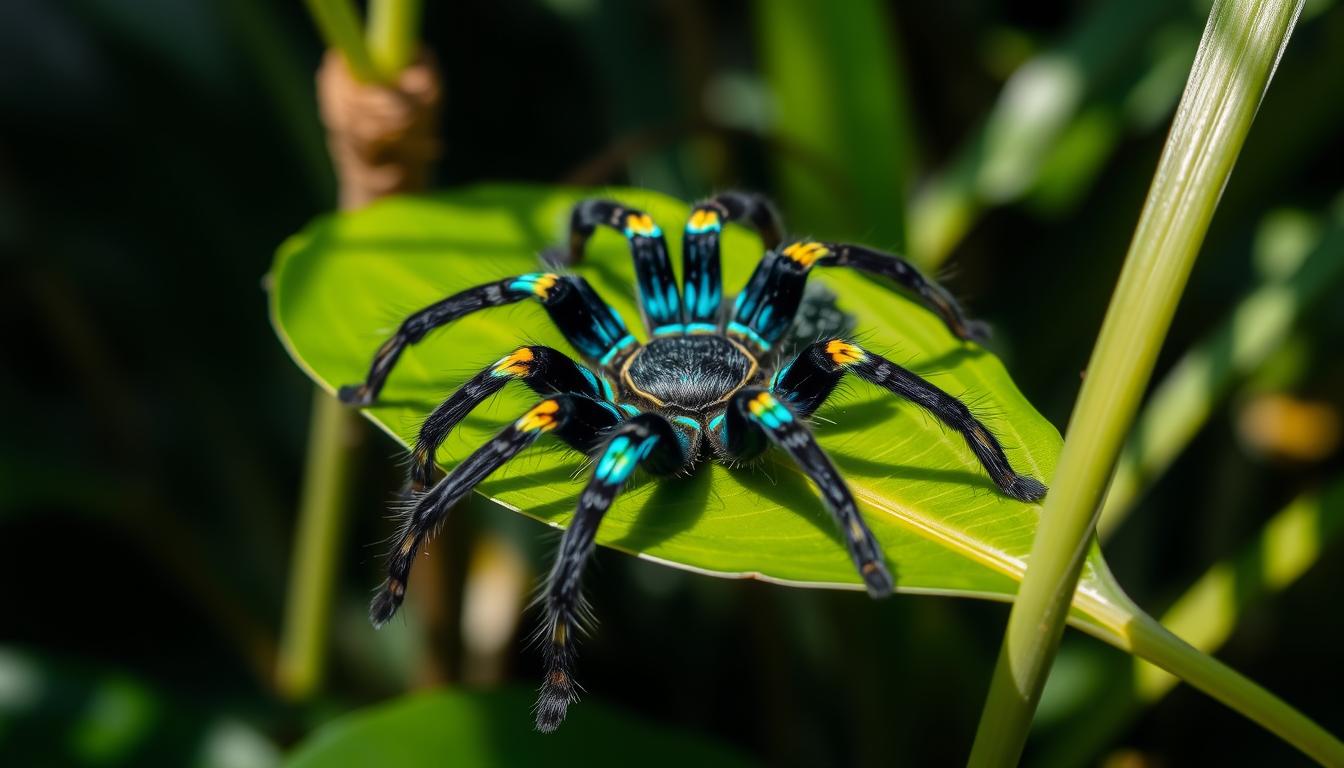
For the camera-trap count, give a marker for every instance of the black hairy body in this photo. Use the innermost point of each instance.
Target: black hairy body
(690, 373)
(697, 388)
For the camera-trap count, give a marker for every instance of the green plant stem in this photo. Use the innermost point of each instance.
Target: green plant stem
(1241, 45)
(317, 544)
(1286, 547)
(393, 35)
(1293, 541)
(1156, 644)
(339, 24)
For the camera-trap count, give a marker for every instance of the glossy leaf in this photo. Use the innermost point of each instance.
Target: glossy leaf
(485, 729)
(341, 287)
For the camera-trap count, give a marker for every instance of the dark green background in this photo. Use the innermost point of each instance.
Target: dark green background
(154, 154)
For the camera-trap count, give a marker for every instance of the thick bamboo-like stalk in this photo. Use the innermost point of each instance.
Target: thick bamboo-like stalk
(1237, 56)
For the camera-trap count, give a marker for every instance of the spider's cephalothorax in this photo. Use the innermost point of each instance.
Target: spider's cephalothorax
(688, 373)
(698, 387)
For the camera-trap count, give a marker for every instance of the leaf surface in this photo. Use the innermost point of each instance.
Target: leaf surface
(341, 287)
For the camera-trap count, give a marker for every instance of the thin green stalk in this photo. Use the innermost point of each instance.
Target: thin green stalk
(317, 544)
(338, 21)
(1289, 545)
(1237, 55)
(1186, 398)
(1156, 644)
(394, 33)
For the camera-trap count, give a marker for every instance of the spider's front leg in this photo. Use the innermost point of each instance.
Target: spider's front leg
(587, 322)
(576, 419)
(755, 416)
(545, 370)
(659, 300)
(649, 440)
(702, 283)
(809, 379)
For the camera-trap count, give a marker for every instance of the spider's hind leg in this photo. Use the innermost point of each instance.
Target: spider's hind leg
(576, 419)
(648, 440)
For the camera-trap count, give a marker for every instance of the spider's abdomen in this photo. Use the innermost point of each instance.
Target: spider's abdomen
(689, 372)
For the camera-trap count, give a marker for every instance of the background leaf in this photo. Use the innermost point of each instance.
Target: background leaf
(486, 729)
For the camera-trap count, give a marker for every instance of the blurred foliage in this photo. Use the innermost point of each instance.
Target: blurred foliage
(153, 154)
(494, 729)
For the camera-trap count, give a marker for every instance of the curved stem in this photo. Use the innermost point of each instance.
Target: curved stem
(1237, 55)
(1156, 644)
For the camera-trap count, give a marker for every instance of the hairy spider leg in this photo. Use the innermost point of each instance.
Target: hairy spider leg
(766, 307)
(702, 283)
(930, 293)
(588, 323)
(648, 439)
(659, 299)
(547, 371)
(578, 420)
(809, 379)
(754, 412)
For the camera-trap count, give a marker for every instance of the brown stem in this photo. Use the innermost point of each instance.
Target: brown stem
(383, 139)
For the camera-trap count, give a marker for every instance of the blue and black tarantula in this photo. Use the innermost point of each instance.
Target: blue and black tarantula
(703, 386)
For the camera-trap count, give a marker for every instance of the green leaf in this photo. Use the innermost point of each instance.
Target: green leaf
(492, 729)
(341, 287)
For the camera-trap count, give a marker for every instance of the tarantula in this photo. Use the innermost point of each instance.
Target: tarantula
(700, 387)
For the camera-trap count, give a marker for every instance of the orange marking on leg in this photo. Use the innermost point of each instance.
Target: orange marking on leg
(516, 363)
(703, 219)
(542, 287)
(541, 418)
(806, 254)
(761, 403)
(844, 353)
(640, 224)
